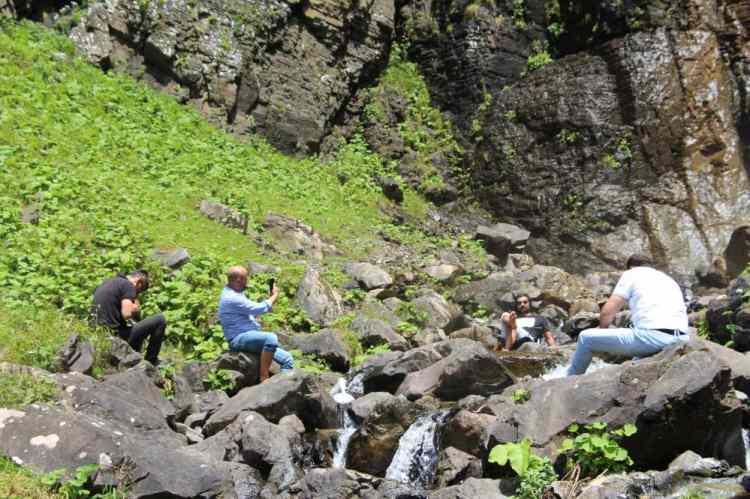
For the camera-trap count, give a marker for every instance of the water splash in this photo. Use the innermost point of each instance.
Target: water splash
(562, 370)
(343, 396)
(416, 458)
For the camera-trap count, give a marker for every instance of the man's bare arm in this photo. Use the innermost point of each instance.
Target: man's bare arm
(549, 338)
(129, 308)
(609, 310)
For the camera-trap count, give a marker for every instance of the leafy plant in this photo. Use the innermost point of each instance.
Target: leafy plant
(80, 486)
(373, 350)
(539, 56)
(535, 472)
(21, 389)
(167, 372)
(521, 395)
(219, 379)
(308, 362)
(519, 14)
(597, 450)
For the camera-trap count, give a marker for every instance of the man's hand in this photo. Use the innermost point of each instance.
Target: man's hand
(609, 310)
(274, 294)
(129, 308)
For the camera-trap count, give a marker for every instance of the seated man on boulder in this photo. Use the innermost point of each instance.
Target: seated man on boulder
(657, 311)
(116, 307)
(238, 316)
(520, 326)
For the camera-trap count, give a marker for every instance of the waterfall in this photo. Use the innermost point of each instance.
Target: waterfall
(344, 395)
(746, 440)
(416, 458)
(562, 370)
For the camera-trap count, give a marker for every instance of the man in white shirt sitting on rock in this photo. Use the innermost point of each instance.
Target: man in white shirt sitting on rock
(657, 312)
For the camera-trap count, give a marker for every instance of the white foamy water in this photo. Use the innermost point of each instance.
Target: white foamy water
(562, 370)
(343, 397)
(416, 458)
(746, 440)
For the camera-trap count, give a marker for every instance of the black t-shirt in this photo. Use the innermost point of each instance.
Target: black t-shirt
(107, 305)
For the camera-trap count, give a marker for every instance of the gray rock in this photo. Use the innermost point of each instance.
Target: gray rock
(318, 299)
(139, 383)
(373, 332)
(501, 239)
(472, 487)
(246, 364)
(455, 466)
(295, 237)
(47, 438)
(368, 276)
(465, 431)
(224, 214)
(444, 273)
(469, 368)
(333, 483)
(194, 373)
(679, 399)
(76, 355)
(260, 268)
(391, 189)
(31, 214)
(292, 423)
(386, 372)
(171, 258)
(121, 355)
(267, 447)
(296, 392)
(440, 313)
(328, 345)
(196, 419)
(482, 334)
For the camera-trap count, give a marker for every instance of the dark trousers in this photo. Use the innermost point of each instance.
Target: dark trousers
(152, 327)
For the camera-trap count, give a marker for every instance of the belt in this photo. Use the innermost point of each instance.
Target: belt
(671, 331)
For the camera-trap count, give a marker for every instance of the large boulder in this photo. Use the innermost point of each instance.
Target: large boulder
(48, 438)
(297, 238)
(328, 345)
(245, 363)
(455, 466)
(465, 431)
(223, 214)
(336, 483)
(76, 355)
(368, 276)
(472, 487)
(680, 399)
(373, 332)
(295, 392)
(385, 372)
(318, 299)
(503, 239)
(440, 313)
(468, 368)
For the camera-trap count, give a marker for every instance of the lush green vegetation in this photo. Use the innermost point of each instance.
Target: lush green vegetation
(114, 170)
(597, 450)
(424, 129)
(21, 483)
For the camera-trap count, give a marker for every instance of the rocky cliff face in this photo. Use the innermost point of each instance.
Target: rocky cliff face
(281, 69)
(633, 142)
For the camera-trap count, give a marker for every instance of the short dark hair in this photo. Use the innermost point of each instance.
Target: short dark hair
(520, 295)
(143, 275)
(637, 260)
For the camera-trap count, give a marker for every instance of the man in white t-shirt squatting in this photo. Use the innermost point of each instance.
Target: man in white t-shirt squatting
(657, 311)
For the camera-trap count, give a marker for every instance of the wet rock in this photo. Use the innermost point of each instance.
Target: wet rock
(465, 431)
(502, 239)
(372, 447)
(296, 392)
(295, 237)
(660, 394)
(385, 372)
(522, 363)
(318, 299)
(455, 466)
(368, 276)
(373, 332)
(472, 487)
(76, 355)
(224, 214)
(171, 258)
(328, 345)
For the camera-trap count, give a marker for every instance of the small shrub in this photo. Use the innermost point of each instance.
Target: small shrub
(535, 472)
(519, 14)
(539, 57)
(597, 450)
(309, 363)
(373, 350)
(521, 395)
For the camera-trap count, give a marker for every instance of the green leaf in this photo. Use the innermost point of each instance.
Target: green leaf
(499, 455)
(567, 445)
(573, 428)
(629, 429)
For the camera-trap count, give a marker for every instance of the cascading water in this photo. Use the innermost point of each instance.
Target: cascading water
(562, 370)
(416, 458)
(343, 397)
(746, 440)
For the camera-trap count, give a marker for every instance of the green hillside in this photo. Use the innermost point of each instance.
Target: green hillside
(116, 170)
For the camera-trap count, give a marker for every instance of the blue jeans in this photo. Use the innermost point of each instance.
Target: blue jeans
(619, 341)
(257, 341)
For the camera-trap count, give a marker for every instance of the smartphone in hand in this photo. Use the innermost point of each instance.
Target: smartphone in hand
(271, 284)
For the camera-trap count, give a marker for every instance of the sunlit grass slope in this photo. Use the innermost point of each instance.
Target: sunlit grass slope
(116, 169)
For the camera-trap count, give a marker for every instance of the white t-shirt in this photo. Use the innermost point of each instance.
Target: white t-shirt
(532, 326)
(655, 300)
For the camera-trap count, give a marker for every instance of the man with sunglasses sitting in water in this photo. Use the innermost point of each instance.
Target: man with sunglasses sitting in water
(520, 326)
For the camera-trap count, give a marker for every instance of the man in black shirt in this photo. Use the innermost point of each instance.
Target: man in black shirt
(116, 306)
(521, 327)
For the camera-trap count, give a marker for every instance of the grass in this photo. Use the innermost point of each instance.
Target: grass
(116, 169)
(20, 483)
(18, 390)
